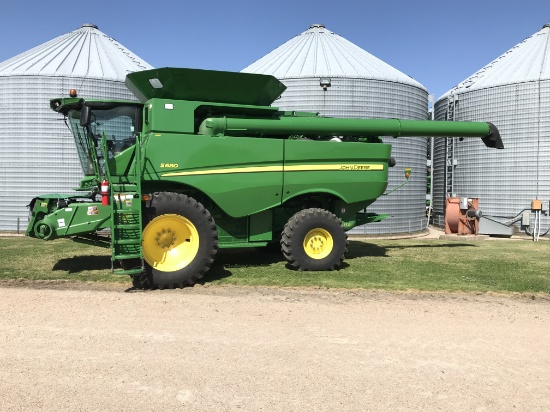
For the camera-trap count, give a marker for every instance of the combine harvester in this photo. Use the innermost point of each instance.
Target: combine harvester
(204, 162)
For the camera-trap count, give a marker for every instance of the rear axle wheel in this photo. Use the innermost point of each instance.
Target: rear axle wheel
(314, 239)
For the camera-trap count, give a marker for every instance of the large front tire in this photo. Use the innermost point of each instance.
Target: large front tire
(313, 239)
(180, 242)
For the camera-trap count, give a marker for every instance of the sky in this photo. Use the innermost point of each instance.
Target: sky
(438, 43)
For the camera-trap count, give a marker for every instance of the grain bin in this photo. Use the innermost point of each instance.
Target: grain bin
(513, 92)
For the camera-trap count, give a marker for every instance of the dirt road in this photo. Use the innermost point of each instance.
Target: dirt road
(97, 348)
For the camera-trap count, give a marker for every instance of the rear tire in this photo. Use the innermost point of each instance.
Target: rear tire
(314, 239)
(180, 242)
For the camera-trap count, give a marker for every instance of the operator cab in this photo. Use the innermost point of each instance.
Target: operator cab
(90, 121)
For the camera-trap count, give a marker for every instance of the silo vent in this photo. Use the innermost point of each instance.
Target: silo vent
(93, 26)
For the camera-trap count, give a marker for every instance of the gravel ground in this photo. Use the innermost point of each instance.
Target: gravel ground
(97, 347)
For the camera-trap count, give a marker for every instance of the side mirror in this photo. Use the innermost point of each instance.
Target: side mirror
(85, 115)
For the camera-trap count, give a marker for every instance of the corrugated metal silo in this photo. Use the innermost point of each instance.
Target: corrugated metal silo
(513, 92)
(37, 151)
(358, 85)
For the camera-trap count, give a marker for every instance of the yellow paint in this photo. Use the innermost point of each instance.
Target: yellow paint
(170, 242)
(227, 171)
(298, 168)
(318, 243)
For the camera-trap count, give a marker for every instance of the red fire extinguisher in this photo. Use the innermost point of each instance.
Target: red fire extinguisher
(105, 192)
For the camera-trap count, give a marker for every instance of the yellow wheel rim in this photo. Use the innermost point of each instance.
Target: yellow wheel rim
(170, 242)
(318, 243)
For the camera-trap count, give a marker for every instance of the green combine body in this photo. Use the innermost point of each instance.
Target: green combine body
(204, 162)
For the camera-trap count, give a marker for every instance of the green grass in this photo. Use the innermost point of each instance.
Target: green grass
(427, 265)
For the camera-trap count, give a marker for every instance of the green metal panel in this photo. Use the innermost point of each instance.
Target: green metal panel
(121, 164)
(170, 116)
(242, 175)
(232, 231)
(352, 171)
(204, 85)
(261, 225)
(179, 116)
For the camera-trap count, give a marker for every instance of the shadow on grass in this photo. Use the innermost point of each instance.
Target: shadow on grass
(78, 264)
(358, 249)
(228, 259)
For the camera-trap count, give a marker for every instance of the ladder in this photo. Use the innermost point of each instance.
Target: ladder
(126, 219)
(450, 159)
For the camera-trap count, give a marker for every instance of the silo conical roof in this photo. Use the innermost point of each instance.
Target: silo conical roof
(85, 52)
(319, 52)
(526, 62)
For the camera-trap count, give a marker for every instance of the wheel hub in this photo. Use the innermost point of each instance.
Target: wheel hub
(166, 239)
(318, 243)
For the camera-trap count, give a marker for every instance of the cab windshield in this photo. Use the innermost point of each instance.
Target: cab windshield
(119, 124)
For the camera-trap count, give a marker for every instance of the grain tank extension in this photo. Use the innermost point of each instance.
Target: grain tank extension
(204, 162)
